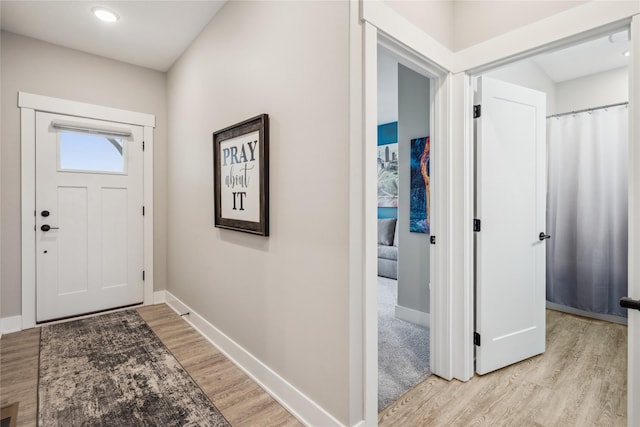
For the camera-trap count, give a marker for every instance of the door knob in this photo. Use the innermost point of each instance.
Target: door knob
(44, 213)
(47, 227)
(630, 303)
(543, 236)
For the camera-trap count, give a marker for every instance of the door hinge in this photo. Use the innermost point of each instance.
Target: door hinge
(142, 275)
(477, 111)
(143, 211)
(432, 239)
(476, 339)
(142, 145)
(476, 225)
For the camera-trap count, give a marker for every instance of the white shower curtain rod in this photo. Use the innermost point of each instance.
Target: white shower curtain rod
(588, 109)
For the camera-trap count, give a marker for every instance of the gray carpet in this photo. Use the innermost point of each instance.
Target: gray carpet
(403, 348)
(112, 370)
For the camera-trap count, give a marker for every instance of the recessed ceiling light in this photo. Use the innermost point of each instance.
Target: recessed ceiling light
(105, 14)
(626, 53)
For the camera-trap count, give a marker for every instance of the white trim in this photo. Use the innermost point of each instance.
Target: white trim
(370, 221)
(294, 400)
(390, 22)
(30, 104)
(81, 109)
(440, 304)
(160, 297)
(28, 207)
(10, 324)
(356, 213)
(462, 256)
(416, 317)
(541, 36)
(633, 372)
(583, 313)
(147, 220)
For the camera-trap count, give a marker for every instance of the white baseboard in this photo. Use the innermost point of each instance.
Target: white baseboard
(296, 402)
(566, 309)
(10, 324)
(414, 316)
(159, 297)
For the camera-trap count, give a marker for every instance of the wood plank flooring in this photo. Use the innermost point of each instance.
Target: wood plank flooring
(19, 373)
(581, 380)
(240, 399)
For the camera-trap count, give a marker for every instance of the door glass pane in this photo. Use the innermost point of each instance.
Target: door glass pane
(91, 153)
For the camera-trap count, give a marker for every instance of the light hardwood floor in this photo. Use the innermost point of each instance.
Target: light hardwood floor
(19, 373)
(241, 400)
(581, 380)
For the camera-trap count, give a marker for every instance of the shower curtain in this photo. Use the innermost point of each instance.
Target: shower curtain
(587, 210)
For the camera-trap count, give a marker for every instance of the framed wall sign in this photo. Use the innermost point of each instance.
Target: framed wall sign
(241, 176)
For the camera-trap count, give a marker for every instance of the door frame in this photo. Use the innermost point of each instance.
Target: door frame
(29, 105)
(381, 26)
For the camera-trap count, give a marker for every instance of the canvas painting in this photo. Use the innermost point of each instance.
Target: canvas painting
(388, 175)
(419, 205)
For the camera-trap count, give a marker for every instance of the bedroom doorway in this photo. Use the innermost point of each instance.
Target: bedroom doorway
(403, 166)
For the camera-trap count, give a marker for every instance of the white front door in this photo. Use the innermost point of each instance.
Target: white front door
(89, 224)
(510, 204)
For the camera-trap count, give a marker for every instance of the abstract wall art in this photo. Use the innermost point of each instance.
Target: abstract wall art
(420, 191)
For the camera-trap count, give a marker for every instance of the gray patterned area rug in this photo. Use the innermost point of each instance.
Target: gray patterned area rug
(112, 370)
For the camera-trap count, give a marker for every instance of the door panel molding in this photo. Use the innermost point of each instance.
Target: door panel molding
(29, 104)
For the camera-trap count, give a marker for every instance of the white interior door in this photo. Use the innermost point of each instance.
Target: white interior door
(510, 203)
(89, 225)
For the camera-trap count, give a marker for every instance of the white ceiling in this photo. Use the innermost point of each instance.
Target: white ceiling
(154, 33)
(151, 34)
(588, 58)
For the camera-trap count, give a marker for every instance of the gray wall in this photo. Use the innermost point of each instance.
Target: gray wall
(29, 65)
(413, 250)
(285, 298)
(387, 87)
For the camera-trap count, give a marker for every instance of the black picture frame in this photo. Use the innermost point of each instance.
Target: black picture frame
(240, 157)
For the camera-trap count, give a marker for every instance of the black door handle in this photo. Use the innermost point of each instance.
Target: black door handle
(46, 227)
(630, 303)
(543, 236)
(44, 213)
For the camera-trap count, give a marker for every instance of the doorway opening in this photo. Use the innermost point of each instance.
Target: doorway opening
(583, 229)
(587, 128)
(403, 168)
